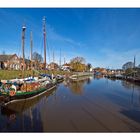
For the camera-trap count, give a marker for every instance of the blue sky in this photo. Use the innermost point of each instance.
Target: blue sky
(104, 37)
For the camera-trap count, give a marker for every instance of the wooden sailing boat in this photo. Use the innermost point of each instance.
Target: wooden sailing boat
(28, 89)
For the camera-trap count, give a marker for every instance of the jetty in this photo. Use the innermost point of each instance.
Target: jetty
(123, 77)
(80, 75)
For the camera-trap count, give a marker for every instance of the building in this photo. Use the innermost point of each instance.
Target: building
(9, 62)
(100, 70)
(66, 67)
(27, 64)
(53, 66)
(13, 62)
(115, 71)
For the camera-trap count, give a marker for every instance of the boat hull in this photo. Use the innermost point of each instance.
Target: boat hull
(60, 80)
(29, 95)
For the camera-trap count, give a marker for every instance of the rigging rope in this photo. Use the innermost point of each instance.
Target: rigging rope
(48, 52)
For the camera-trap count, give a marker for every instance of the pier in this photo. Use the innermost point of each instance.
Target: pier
(122, 77)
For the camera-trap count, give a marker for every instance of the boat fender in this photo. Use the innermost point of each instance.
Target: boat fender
(12, 92)
(14, 87)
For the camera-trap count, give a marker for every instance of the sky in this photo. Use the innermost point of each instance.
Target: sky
(105, 37)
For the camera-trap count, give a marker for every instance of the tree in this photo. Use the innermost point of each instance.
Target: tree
(79, 60)
(129, 71)
(53, 66)
(128, 65)
(89, 66)
(78, 64)
(37, 59)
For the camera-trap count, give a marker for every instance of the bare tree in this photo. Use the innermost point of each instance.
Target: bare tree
(37, 59)
(89, 66)
(79, 60)
(128, 65)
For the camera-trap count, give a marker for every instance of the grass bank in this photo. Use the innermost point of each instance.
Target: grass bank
(12, 74)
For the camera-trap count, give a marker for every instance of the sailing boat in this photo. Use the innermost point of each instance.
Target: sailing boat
(27, 89)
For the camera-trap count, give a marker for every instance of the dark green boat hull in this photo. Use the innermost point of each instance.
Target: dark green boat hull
(25, 95)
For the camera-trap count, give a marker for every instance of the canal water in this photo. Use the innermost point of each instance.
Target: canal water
(91, 104)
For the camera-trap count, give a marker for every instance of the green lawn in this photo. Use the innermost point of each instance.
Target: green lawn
(12, 74)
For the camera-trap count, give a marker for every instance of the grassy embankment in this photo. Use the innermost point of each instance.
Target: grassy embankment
(12, 74)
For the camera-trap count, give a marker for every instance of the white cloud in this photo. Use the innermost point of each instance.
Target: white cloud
(53, 35)
(115, 59)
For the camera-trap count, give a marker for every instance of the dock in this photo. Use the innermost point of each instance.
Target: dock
(122, 77)
(80, 75)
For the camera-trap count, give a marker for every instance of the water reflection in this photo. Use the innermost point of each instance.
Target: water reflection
(127, 84)
(104, 106)
(23, 116)
(129, 99)
(135, 93)
(77, 86)
(97, 77)
(133, 114)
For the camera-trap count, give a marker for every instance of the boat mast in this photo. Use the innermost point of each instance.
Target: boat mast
(44, 35)
(23, 44)
(134, 65)
(53, 57)
(60, 58)
(134, 61)
(31, 45)
(64, 59)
